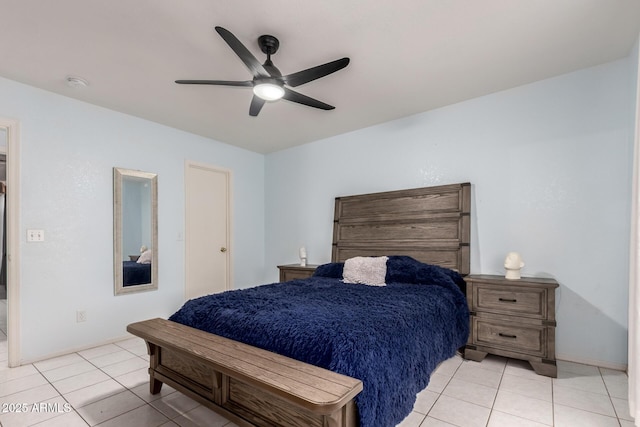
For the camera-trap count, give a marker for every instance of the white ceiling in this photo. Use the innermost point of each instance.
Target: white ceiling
(407, 56)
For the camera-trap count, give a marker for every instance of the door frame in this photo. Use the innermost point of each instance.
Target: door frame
(229, 258)
(12, 128)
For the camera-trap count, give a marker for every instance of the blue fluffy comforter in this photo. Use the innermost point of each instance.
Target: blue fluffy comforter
(390, 337)
(135, 274)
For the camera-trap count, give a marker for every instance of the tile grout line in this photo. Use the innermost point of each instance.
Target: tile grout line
(59, 393)
(81, 358)
(493, 403)
(110, 377)
(436, 401)
(615, 411)
(592, 393)
(126, 388)
(553, 400)
(443, 388)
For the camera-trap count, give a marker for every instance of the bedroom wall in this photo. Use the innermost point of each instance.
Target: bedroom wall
(68, 150)
(550, 170)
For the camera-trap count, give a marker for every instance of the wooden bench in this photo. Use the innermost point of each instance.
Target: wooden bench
(247, 385)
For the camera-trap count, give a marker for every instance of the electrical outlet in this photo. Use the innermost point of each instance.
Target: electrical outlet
(35, 235)
(81, 316)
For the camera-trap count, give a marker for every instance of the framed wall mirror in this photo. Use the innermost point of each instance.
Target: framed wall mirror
(135, 231)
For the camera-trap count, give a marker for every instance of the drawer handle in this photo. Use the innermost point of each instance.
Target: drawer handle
(507, 335)
(507, 300)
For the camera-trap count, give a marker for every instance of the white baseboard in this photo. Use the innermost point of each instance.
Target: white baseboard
(592, 362)
(75, 350)
(562, 357)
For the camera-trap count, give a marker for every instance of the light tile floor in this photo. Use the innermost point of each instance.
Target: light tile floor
(108, 386)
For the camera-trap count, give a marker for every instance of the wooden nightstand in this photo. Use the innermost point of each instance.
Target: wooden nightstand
(295, 271)
(513, 318)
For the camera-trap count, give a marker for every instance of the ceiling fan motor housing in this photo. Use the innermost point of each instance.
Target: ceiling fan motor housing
(268, 44)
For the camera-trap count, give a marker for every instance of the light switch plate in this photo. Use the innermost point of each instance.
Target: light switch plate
(35, 235)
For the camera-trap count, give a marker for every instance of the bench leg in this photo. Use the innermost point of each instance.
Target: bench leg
(154, 355)
(154, 385)
(333, 420)
(344, 417)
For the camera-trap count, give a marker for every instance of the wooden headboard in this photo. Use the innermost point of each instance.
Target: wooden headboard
(430, 224)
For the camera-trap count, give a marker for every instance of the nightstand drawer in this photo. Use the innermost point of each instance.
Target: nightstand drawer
(528, 339)
(510, 300)
(296, 271)
(295, 274)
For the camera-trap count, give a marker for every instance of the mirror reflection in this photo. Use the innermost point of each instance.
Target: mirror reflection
(135, 231)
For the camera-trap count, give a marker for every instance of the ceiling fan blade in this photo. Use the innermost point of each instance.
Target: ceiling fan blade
(215, 82)
(243, 53)
(293, 96)
(310, 74)
(256, 105)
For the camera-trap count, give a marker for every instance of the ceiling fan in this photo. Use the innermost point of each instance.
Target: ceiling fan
(268, 83)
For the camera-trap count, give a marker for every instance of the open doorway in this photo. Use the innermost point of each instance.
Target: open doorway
(10, 347)
(3, 266)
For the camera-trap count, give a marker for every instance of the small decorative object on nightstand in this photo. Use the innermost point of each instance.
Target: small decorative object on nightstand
(295, 271)
(512, 264)
(303, 256)
(513, 318)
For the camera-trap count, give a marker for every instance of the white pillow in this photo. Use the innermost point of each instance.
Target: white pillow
(145, 257)
(365, 270)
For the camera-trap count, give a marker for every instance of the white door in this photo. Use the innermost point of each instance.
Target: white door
(207, 255)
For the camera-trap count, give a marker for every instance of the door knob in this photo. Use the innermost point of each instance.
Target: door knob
(223, 249)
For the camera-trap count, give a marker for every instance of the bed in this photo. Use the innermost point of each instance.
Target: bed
(134, 273)
(422, 235)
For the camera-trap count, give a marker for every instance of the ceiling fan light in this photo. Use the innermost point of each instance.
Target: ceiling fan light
(268, 91)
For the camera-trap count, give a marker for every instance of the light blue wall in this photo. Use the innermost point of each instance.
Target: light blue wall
(550, 170)
(549, 163)
(68, 150)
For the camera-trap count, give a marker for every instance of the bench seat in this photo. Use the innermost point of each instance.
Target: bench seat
(248, 385)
